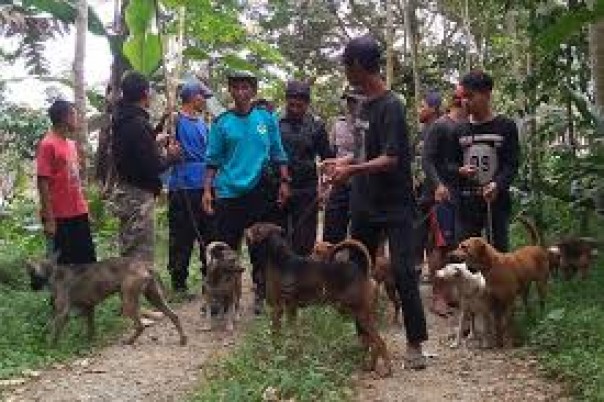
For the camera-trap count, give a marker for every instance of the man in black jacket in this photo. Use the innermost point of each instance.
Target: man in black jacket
(487, 154)
(304, 138)
(138, 163)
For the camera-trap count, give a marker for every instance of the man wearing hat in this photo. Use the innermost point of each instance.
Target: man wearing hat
(439, 165)
(304, 138)
(187, 222)
(381, 200)
(337, 211)
(243, 142)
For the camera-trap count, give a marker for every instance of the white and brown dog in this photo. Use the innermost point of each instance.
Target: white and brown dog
(222, 284)
(471, 289)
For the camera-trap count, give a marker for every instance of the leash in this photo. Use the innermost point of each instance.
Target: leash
(489, 223)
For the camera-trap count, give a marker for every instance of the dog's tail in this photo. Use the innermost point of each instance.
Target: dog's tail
(354, 246)
(531, 228)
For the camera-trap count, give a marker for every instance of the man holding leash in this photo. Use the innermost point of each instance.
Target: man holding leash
(186, 221)
(381, 183)
(486, 153)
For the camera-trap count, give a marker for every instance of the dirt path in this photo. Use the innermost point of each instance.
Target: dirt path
(462, 374)
(154, 369)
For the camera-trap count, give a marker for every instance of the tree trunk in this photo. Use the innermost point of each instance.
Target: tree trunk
(411, 33)
(80, 84)
(389, 44)
(596, 42)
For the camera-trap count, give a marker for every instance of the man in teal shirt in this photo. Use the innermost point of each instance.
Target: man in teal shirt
(243, 143)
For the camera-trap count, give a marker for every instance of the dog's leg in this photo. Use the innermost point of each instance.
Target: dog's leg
(154, 295)
(130, 309)
(276, 314)
(396, 303)
(61, 314)
(89, 313)
(462, 318)
(542, 292)
(291, 312)
(524, 292)
(378, 347)
(207, 326)
(230, 316)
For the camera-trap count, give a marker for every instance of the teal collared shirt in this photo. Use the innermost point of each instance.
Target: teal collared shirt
(240, 147)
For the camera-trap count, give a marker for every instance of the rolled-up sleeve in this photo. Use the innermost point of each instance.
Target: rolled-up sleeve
(277, 152)
(216, 148)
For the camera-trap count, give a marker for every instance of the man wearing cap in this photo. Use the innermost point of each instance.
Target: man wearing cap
(304, 139)
(438, 163)
(486, 154)
(381, 184)
(187, 222)
(243, 142)
(337, 210)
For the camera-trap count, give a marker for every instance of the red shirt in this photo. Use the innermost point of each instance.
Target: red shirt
(57, 160)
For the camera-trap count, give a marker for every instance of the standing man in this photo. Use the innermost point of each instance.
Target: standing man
(438, 163)
(243, 142)
(429, 112)
(487, 153)
(186, 220)
(63, 209)
(304, 140)
(138, 165)
(337, 209)
(381, 193)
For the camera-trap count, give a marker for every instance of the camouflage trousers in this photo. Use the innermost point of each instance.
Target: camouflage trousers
(135, 210)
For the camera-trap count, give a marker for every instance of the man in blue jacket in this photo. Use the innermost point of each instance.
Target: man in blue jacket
(186, 221)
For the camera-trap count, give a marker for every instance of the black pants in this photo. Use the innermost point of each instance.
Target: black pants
(234, 215)
(400, 238)
(300, 219)
(187, 223)
(421, 231)
(471, 218)
(337, 215)
(73, 241)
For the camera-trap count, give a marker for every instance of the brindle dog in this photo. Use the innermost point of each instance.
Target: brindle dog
(294, 281)
(83, 286)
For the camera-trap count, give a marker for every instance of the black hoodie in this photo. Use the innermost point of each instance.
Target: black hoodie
(135, 152)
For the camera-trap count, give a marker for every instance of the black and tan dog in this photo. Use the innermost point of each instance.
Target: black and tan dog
(82, 287)
(222, 284)
(294, 281)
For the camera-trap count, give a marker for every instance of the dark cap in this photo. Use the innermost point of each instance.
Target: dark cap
(297, 89)
(477, 80)
(242, 75)
(363, 49)
(193, 88)
(433, 99)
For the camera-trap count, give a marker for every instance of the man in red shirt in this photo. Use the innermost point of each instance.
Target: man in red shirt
(63, 209)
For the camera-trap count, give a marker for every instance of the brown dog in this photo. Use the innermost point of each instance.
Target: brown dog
(222, 284)
(381, 273)
(506, 275)
(573, 255)
(83, 286)
(294, 281)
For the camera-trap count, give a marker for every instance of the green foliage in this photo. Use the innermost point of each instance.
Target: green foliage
(310, 362)
(142, 48)
(569, 335)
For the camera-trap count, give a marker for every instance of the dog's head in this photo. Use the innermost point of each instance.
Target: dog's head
(453, 270)
(473, 251)
(259, 232)
(40, 272)
(222, 265)
(322, 251)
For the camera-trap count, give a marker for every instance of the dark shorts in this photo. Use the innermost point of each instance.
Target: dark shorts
(442, 224)
(73, 241)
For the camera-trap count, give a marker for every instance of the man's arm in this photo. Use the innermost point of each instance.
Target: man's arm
(46, 214)
(322, 145)
(430, 154)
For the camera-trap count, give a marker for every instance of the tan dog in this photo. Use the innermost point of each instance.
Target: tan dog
(507, 275)
(222, 283)
(82, 286)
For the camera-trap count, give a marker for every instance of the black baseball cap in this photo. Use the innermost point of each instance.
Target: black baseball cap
(297, 89)
(242, 75)
(363, 49)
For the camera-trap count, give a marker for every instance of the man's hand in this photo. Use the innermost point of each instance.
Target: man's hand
(442, 193)
(490, 191)
(50, 226)
(340, 175)
(207, 201)
(284, 194)
(468, 170)
(173, 150)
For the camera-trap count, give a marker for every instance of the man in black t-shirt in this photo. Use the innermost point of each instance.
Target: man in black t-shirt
(487, 153)
(382, 195)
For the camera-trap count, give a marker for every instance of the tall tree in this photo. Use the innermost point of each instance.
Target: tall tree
(80, 83)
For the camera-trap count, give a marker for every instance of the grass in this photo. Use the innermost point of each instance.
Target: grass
(568, 337)
(311, 362)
